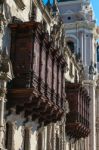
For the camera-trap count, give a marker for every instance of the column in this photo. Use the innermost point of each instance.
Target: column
(84, 48)
(64, 136)
(2, 127)
(97, 118)
(91, 48)
(1, 122)
(86, 143)
(92, 140)
(2, 111)
(9, 138)
(61, 137)
(81, 47)
(49, 138)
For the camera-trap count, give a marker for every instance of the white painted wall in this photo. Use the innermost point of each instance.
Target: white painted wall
(19, 138)
(15, 11)
(33, 140)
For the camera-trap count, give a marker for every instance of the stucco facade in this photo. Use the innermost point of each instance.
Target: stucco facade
(23, 127)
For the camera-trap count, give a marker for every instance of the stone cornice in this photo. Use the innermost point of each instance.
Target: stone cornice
(80, 24)
(69, 2)
(90, 82)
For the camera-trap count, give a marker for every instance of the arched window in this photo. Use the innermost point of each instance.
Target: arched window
(70, 44)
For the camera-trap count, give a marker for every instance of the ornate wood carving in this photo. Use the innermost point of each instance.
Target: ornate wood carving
(77, 124)
(36, 88)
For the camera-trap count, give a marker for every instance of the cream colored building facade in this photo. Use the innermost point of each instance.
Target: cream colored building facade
(30, 135)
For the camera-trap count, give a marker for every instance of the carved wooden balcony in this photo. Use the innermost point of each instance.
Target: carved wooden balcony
(38, 88)
(77, 120)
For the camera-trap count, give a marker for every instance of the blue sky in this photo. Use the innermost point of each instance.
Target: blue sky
(95, 4)
(45, 1)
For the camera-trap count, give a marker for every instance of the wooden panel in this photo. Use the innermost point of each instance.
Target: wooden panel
(22, 55)
(77, 121)
(49, 69)
(60, 82)
(32, 65)
(43, 63)
(36, 57)
(55, 78)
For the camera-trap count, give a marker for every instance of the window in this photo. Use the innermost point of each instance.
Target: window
(70, 44)
(97, 53)
(69, 18)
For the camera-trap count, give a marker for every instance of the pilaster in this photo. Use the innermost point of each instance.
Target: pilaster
(84, 48)
(97, 117)
(2, 128)
(49, 137)
(3, 81)
(81, 43)
(91, 86)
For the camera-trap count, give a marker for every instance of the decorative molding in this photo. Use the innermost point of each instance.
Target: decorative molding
(77, 121)
(40, 91)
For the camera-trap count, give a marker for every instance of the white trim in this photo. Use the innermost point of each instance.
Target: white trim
(79, 30)
(69, 2)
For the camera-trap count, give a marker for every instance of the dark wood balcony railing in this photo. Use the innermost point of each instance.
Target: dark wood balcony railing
(77, 120)
(38, 86)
